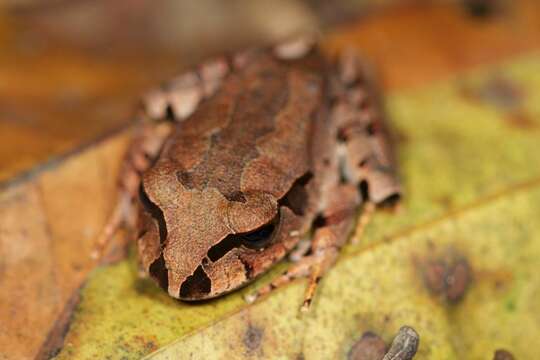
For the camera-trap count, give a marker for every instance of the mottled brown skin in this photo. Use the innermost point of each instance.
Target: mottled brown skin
(279, 146)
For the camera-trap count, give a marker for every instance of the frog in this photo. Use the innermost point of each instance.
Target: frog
(249, 159)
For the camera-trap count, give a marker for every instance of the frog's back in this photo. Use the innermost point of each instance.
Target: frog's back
(252, 135)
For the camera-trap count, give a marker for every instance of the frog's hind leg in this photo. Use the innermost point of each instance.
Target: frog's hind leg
(333, 229)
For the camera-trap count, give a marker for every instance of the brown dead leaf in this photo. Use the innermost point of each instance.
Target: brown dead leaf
(47, 229)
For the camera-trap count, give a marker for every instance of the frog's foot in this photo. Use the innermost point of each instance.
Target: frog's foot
(367, 213)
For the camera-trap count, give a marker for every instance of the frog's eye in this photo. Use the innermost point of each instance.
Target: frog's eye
(255, 239)
(258, 238)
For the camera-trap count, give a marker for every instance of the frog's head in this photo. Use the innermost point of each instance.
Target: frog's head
(201, 243)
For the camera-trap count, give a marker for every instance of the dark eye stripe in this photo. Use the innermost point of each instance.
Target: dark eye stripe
(155, 212)
(219, 250)
(255, 239)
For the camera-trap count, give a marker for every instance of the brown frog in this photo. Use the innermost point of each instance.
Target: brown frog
(250, 158)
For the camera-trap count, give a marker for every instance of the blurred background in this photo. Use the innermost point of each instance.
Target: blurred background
(71, 71)
(462, 82)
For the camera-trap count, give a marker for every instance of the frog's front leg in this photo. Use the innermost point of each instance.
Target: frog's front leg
(367, 176)
(162, 109)
(333, 228)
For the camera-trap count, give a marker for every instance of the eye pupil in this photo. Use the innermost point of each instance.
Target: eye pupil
(259, 235)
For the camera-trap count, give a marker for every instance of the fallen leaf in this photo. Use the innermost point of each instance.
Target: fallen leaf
(44, 248)
(455, 150)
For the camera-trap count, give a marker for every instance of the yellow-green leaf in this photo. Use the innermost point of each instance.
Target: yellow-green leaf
(469, 162)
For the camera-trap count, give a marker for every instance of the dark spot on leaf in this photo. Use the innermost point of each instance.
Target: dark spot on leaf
(369, 347)
(150, 346)
(502, 354)
(457, 280)
(196, 286)
(447, 277)
(434, 274)
(253, 338)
